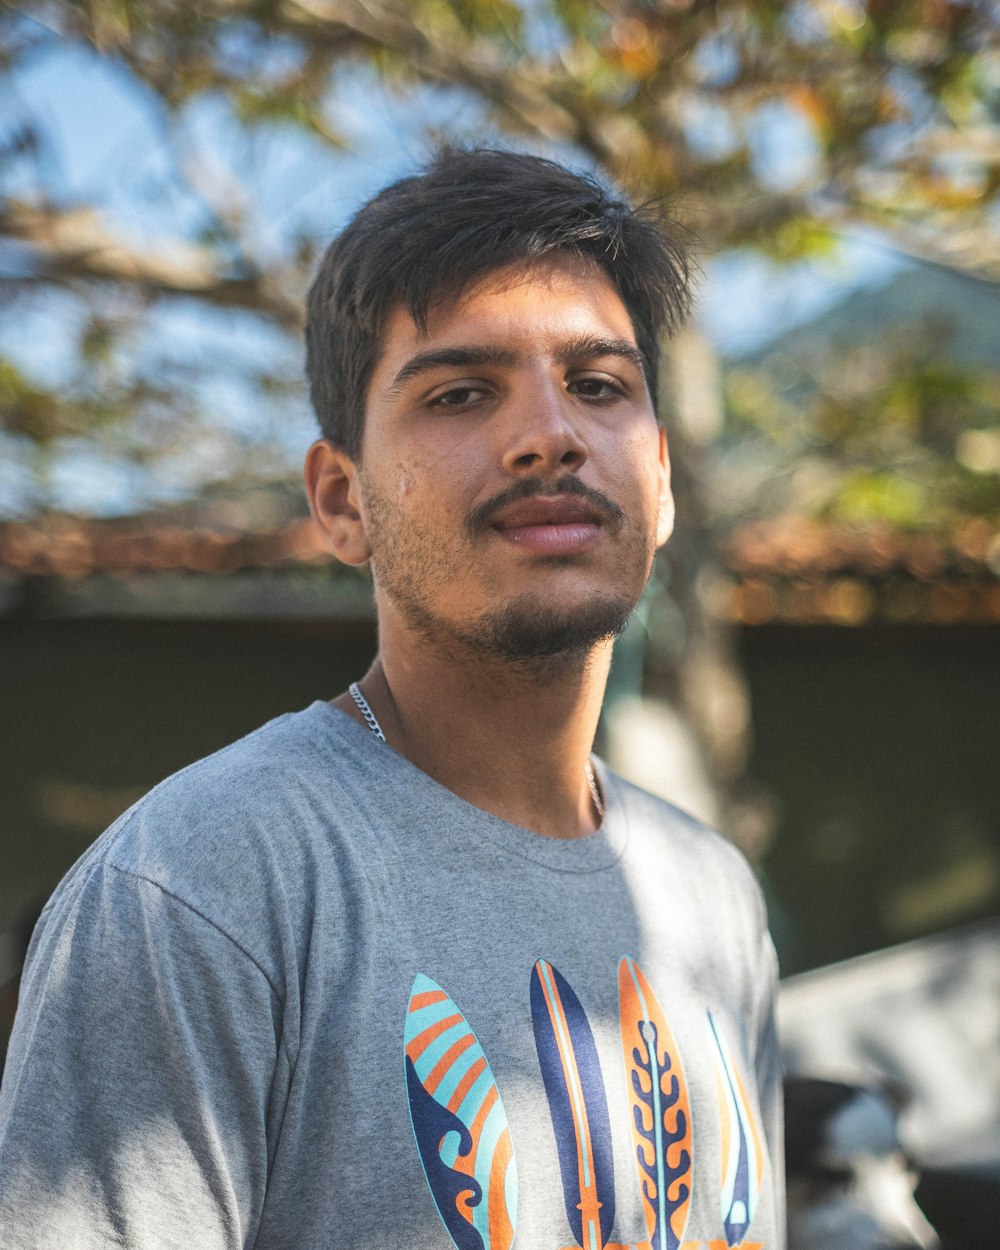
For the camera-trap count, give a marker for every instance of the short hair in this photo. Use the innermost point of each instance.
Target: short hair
(469, 213)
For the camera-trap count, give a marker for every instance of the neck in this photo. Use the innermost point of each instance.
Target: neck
(512, 738)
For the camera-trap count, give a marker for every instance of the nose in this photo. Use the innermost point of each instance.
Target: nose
(542, 436)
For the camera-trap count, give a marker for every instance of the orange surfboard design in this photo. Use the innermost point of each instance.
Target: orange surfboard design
(661, 1114)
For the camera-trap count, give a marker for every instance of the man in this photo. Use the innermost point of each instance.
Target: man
(409, 968)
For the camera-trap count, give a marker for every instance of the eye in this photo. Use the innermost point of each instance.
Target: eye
(459, 396)
(596, 386)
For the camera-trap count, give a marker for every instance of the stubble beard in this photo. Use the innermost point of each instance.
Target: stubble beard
(522, 632)
(537, 636)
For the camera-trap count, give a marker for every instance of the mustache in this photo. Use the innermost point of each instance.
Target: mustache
(482, 515)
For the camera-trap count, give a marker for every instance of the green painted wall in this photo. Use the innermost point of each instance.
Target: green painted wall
(881, 749)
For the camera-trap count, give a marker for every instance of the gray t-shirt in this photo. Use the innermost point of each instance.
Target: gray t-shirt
(302, 996)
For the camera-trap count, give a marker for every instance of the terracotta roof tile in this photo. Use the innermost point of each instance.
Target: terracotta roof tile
(787, 569)
(61, 546)
(803, 571)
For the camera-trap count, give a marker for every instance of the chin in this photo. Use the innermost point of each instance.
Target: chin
(524, 629)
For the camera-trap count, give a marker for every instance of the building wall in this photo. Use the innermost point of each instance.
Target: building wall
(881, 750)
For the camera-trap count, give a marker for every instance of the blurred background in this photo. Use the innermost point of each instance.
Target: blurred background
(815, 668)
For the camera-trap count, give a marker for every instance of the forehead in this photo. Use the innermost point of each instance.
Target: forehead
(536, 305)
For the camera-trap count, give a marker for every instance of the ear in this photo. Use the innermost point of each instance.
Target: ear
(665, 524)
(334, 493)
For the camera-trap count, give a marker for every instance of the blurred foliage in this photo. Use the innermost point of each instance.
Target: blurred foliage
(768, 125)
(895, 429)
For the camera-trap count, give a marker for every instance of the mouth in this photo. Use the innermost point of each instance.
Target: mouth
(550, 525)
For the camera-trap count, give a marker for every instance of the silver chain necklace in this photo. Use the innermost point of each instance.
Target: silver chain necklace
(371, 720)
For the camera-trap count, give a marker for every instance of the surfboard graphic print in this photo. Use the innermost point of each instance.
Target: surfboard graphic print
(661, 1115)
(741, 1144)
(459, 1122)
(578, 1105)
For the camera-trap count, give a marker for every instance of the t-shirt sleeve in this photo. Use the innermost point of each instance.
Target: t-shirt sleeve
(142, 1079)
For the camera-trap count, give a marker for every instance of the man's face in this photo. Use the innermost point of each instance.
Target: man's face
(513, 483)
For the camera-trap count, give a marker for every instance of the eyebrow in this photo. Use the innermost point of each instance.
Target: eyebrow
(585, 347)
(456, 357)
(590, 347)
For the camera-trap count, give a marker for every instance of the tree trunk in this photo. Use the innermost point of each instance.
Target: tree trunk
(678, 710)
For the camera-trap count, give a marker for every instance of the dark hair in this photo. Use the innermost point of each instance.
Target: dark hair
(472, 212)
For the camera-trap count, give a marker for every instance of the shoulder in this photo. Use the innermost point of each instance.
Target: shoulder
(699, 887)
(223, 804)
(235, 836)
(670, 839)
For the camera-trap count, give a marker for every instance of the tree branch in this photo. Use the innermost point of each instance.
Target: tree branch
(69, 244)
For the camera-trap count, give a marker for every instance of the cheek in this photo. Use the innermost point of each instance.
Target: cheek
(441, 448)
(636, 449)
(406, 480)
(422, 495)
(638, 474)
(440, 479)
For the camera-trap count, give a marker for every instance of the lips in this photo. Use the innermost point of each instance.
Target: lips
(547, 510)
(557, 525)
